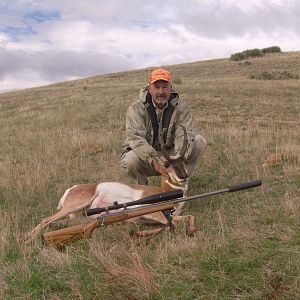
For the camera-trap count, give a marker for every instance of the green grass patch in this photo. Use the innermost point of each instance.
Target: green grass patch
(11, 255)
(2, 198)
(39, 283)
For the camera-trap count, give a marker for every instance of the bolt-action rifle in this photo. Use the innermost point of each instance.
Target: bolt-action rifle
(160, 202)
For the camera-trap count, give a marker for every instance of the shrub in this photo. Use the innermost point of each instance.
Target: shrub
(238, 56)
(273, 49)
(247, 53)
(245, 63)
(254, 53)
(274, 75)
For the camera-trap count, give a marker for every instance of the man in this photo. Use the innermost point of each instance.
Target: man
(158, 112)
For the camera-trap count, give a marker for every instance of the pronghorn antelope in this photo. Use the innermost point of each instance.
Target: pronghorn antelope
(83, 196)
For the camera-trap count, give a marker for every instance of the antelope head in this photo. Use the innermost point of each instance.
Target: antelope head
(176, 165)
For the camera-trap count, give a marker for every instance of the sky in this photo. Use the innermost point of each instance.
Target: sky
(49, 41)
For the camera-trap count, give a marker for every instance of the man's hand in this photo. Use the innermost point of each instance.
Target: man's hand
(158, 165)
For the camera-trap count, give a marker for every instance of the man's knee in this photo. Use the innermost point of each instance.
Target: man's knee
(200, 143)
(135, 167)
(198, 147)
(130, 161)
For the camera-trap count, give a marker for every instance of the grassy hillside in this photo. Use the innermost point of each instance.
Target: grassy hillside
(247, 246)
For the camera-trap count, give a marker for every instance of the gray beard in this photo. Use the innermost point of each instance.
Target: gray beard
(161, 103)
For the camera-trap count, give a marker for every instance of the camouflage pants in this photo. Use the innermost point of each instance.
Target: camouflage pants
(140, 170)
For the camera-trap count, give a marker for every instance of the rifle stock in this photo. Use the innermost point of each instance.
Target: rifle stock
(62, 237)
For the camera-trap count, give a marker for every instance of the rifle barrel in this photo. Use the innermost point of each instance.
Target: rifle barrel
(234, 188)
(171, 195)
(246, 185)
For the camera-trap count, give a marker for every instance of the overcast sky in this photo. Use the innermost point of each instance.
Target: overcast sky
(46, 41)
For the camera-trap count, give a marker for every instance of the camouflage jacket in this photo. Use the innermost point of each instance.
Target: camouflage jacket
(139, 131)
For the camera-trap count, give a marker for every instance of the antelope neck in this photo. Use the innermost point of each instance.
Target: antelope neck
(168, 185)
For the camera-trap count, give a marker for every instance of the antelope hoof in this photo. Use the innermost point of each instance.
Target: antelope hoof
(191, 230)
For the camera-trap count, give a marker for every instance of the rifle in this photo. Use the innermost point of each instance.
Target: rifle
(160, 202)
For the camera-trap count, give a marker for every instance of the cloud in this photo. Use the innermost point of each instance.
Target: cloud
(220, 19)
(59, 65)
(53, 40)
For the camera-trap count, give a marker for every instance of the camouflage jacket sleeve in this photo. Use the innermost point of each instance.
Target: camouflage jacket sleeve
(184, 118)
(136, 131)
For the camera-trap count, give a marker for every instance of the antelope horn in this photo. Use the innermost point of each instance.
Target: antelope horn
(162, 145)
(185, 142)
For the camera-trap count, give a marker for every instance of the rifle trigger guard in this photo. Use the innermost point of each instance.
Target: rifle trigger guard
(168, 216)
(102, 222)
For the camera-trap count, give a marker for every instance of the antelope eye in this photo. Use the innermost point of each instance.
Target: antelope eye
(167, 164)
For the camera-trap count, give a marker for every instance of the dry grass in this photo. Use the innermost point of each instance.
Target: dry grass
(247, 246)
(131, 266)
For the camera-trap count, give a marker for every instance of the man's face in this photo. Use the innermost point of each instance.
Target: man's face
(160, 91)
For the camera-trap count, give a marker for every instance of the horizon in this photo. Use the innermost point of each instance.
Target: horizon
(117, 72)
